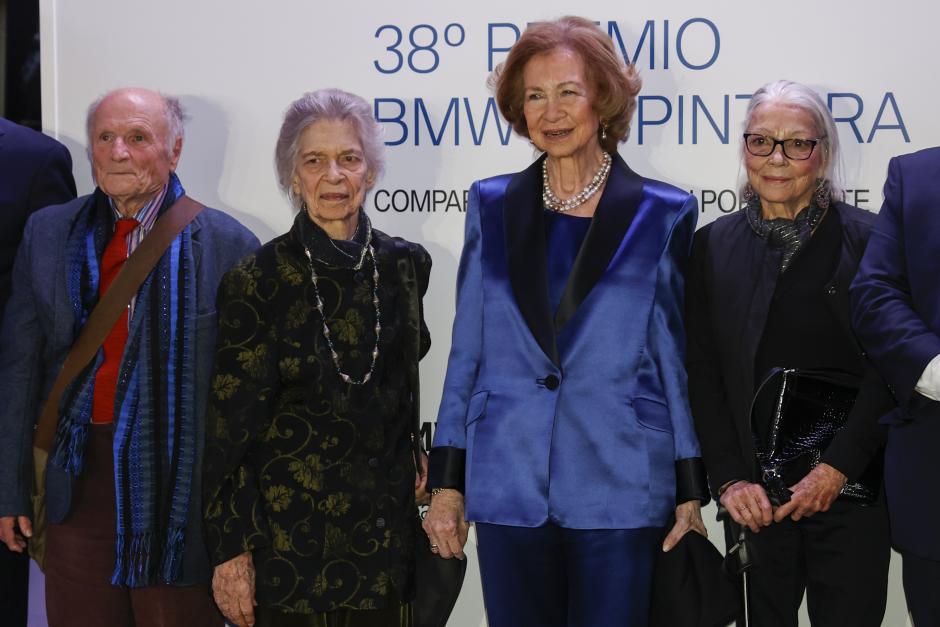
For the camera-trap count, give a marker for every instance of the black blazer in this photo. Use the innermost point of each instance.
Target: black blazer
(35, 171)
(731, 283)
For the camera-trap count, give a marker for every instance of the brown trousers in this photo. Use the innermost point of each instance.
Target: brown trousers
(80, 560)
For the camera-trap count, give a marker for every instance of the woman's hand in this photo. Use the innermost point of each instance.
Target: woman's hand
(421, 481)
(233, 587)
(688, 518)
(445, 524)
(814, 493)
(748, 505)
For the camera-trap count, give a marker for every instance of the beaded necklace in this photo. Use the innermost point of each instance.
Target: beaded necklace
(367, 248)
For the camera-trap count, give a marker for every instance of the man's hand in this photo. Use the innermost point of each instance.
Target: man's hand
(9, 536)
(233, 587)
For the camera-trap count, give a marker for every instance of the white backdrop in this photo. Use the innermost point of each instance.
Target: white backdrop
(237, 64)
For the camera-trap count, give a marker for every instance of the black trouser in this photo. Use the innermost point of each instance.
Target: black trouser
(14, 586)
(400, 616)
(840, 558)
(922, 590)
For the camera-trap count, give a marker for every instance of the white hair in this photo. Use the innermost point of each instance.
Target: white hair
(798, 95)
(326, 104)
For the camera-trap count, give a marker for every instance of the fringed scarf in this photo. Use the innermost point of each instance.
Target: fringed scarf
(154, 417)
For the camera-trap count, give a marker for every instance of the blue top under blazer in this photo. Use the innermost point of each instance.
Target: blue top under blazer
(580, 418)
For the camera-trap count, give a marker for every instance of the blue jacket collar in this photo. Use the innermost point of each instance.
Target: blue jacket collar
(525, 247)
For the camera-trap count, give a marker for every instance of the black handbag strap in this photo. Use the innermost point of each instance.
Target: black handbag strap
(109, 309)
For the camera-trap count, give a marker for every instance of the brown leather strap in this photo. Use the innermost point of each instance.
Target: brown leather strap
(109, 309)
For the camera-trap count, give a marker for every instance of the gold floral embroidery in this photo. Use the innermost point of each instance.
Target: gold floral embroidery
(381, 583)
(335, 504)
(336, 542)
(290, 367)
(279, 497)
(308, 472)
(253, 361)
(349, 328)
(289, 272)
(224, 386)
(297, 314)
(280, 538)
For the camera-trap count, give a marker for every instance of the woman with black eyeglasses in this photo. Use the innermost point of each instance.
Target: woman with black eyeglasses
(784, 402)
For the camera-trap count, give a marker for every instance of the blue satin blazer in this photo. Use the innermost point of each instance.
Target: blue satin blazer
(580, 416)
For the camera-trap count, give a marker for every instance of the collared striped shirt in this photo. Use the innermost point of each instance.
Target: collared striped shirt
(147, 216)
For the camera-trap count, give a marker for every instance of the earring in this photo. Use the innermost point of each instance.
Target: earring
(823, 194)
(303, 206)
(748, 194)
(604, 132)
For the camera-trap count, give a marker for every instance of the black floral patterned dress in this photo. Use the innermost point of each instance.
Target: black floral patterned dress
(315, 476)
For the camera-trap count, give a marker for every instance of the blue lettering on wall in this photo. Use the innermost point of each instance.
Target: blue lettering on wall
(699, 105)
(850, 119)
(397, 119)
(642, 118)
(490, 109)
(491, 48)
(459, 112)
(716, 43)
(649, 29)
(453, 107)
(878, 125)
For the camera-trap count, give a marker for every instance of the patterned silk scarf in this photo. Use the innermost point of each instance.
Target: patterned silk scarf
(788, 235)
(154, 417)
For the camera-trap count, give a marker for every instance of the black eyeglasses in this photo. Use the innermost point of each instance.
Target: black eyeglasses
(795, 148)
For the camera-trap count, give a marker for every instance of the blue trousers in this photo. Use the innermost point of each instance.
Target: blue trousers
(550, 576)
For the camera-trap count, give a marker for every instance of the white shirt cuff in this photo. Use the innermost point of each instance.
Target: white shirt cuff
(929, 382)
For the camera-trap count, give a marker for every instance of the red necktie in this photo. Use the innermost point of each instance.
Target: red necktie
(106, 378)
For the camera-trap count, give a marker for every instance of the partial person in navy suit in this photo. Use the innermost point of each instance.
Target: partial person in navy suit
(35, 171)
(564, 431)
(896, 313)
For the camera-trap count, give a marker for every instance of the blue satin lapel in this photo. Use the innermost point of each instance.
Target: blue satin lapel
(615, 213)
(525, 250)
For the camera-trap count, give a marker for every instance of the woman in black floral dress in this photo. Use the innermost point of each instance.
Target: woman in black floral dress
(310, 478)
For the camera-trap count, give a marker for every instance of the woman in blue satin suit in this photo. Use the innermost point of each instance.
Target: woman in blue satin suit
(564, 430)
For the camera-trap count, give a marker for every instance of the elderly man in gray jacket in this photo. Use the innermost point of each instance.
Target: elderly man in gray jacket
(124, 542)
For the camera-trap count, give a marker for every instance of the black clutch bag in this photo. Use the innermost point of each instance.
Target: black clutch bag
(795, 415)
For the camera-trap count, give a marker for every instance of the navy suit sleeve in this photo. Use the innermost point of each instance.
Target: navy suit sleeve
(448, 455)
(53, 183)
(21, 349)
(897, 338)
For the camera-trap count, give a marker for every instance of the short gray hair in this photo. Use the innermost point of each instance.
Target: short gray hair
(175, 119)
(806, 98)
(326, 104)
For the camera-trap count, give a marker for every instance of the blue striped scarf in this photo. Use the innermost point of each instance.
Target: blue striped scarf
(154, 417)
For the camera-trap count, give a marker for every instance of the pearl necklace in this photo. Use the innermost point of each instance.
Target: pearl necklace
(554, 203)
(375, 301)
